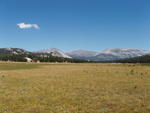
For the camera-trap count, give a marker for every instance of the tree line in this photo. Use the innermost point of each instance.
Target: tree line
(141, 59)
(50, 58)
(39, 57)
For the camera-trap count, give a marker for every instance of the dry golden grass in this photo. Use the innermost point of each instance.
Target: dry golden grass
(75, 88)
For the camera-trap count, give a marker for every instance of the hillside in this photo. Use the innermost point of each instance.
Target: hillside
(141, 59)
(54, 52)
(10, 51)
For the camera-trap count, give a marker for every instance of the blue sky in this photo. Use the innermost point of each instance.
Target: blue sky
(75, 24)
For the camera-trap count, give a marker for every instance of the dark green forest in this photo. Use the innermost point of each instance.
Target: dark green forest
(141, 59)
(38, 57)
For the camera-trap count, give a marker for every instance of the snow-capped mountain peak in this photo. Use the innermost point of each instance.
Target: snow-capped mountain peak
(108, 54)
(13, 51)
(55, 52)
(120, 53)
(124, 52)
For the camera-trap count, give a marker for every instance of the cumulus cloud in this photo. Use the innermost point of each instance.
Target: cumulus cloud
(27, 26)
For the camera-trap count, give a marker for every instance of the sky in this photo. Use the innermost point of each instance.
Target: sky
(75, 24)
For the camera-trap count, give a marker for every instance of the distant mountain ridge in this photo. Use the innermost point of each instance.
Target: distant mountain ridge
(105, 55)
(110, 54)
(119, 53)
(9, 51)
(83, 54)
(55, 52)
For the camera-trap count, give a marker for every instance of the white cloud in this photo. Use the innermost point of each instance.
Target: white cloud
(27, 26)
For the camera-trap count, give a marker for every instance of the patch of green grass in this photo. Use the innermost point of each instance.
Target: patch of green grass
(18, 66)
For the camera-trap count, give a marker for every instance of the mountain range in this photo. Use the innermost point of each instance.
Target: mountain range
(119, 53)
(105, 55)
(108, 54)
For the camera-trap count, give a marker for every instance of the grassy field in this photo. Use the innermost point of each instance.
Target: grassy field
(74, 88)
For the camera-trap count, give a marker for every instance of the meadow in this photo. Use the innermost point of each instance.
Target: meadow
(74, 88)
